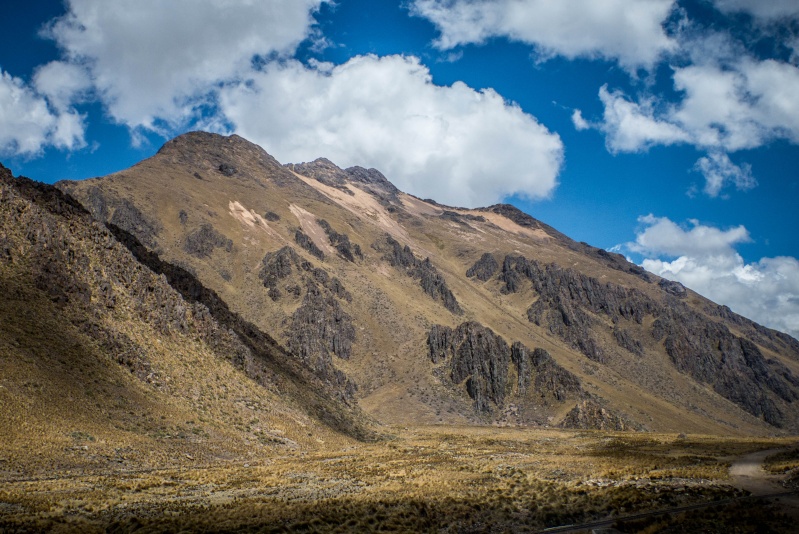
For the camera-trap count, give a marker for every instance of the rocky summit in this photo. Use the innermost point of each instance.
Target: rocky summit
(211, 340)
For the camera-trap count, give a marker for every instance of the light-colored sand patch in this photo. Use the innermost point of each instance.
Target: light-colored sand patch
(250, 218)
(309, 225)
(419, 207)
(362, 205)
(537, 234)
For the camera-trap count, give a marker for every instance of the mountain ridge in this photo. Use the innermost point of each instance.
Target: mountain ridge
(219, 206)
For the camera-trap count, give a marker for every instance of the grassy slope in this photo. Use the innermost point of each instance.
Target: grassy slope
(391, 312)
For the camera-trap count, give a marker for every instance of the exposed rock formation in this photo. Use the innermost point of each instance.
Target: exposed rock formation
(589, 414)
(319, 328)
(733, 366)
(202, 241)
(341, 242)
(373, 181)
(481, 360)
(423, 270)
(324, 171)
(302, 239)
(271, 216)
(568, 303)
(673, 288)
(484, 268)
(280, 265)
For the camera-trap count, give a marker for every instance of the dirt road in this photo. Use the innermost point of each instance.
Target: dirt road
(748, 474)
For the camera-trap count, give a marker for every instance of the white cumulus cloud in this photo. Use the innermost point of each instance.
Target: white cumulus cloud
(454, 144)
(152, 61)
(630, 31)
(719, 170)
(633, 126)
(704, 259)
(62, 83)
(28, 124)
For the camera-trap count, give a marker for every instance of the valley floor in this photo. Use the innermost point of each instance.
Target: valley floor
(468, 479)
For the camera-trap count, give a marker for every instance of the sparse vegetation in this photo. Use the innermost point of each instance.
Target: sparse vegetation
(426, 478)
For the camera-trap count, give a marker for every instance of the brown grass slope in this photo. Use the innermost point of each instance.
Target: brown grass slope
(104, 364)
(366, 272)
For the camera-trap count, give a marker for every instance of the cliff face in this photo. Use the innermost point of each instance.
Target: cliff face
(570, 304)
(419, 312)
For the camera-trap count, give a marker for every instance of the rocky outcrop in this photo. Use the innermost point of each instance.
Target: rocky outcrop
(131, 219)
(461, 218)
(589, 414)
(566, 300)
(204, 240)
(402, 258)
(481, 361)
(733, 366)
(568, 303)
(303, 240)
(341, 242)
(325, 171)
(484, 268)
(288, 268)
(319, 329)
(374, 182)
(672, 288)
(627, 340)
(227, 169)
(271, 216)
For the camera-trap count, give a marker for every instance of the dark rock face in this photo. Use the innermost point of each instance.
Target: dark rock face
(325, 171)
(131, 219)
(202, 241)
(282, 264)
(319, 329)
(673, 288)
(227, 169)
(277, 266)
(341, 242)
(481, 360)
(461, 218)
(370, 177)
(271, 216)
(627, 341)
(733, 366)
(568, 303)
(302, 239)
(566, 297)
(484, 268)
(550, 378)
(429, 278)
(374, 182)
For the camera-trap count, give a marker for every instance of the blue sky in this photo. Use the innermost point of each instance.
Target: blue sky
(666, 130)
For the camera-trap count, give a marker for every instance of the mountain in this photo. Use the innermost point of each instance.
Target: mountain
(110, 357)
(417, 312)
